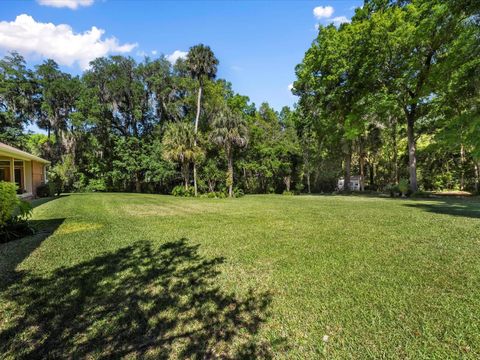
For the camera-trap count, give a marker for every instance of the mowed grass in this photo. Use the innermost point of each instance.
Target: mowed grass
(148, 276)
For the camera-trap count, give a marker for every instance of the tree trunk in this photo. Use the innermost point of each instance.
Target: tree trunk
(211, 186)
(287, 180)
(308, 183)
(348, 163)
(361, 160)
(58, 151)
(230, 174)
(185, 175)
(362, 174)
(412, 150)
(462, 167)
(195, 177)
(372, 175)
(477, 177)
(197, 119)
(395, 152)
(138, 183)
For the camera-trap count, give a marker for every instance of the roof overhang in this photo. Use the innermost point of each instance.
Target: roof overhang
(10, 151)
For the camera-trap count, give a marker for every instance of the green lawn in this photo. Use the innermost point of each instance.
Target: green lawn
(148, 276)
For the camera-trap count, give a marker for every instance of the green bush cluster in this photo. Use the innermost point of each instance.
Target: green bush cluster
(14, 213)
(400, 189)
(96, 185)
(47, 190)
(238, 192)
(403, 186)
(180, 190)
(214, 195)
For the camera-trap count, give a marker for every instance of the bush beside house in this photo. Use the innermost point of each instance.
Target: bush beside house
(14, 213)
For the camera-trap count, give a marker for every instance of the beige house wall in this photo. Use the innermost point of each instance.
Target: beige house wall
(38, 175)
(27, 175)
(28, 170)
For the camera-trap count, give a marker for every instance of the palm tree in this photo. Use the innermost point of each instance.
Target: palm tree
(229, 131)
(179, 146)
(202, 64)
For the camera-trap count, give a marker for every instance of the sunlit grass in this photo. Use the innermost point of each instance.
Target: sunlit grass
(287, 277)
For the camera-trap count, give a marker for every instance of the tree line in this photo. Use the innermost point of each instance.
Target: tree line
(148, 126)
(395, 93)
(392, 95)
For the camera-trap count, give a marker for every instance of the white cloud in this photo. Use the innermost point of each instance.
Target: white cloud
(58, 42)
(154, 52)
(290, 86)
(177, 54)
(323, 12)
(71, 4)
(339, 20)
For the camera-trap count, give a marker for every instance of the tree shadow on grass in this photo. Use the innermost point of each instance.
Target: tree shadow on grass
(447, 206)
(14, 252)
(140, 302)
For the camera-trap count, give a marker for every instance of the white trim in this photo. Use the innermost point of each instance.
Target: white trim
(12, 170)
(9, 151)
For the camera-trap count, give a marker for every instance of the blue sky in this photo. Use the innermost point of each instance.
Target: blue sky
(258, 43)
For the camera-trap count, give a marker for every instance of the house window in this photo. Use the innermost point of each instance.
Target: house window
(2, 175)
(19, 178)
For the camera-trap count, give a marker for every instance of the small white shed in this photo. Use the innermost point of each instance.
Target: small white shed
(354, 183)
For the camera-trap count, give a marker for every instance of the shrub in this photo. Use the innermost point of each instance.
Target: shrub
(45, 190)
(22, 213)
(8, 201)
(14, 213)
(392, 189)
(237, 192)
(288, 193)
(54, 188)
(80, 183)
(299, 188)
(64, 175)
(96, 185)
(403, 186)
(215, 195)
(55, 183)
(180, 190)
(211, 195)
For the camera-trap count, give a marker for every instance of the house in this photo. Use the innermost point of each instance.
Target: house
(27, 170)
(354, 183)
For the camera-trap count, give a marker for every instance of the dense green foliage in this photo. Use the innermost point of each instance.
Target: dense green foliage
(150, 276)
(14, 213)
(127, 126)
(393, 94)
(8, 201)
(398, 86)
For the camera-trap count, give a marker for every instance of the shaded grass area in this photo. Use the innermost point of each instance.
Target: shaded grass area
(455, 207)
(136, 301)
(146, 276)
